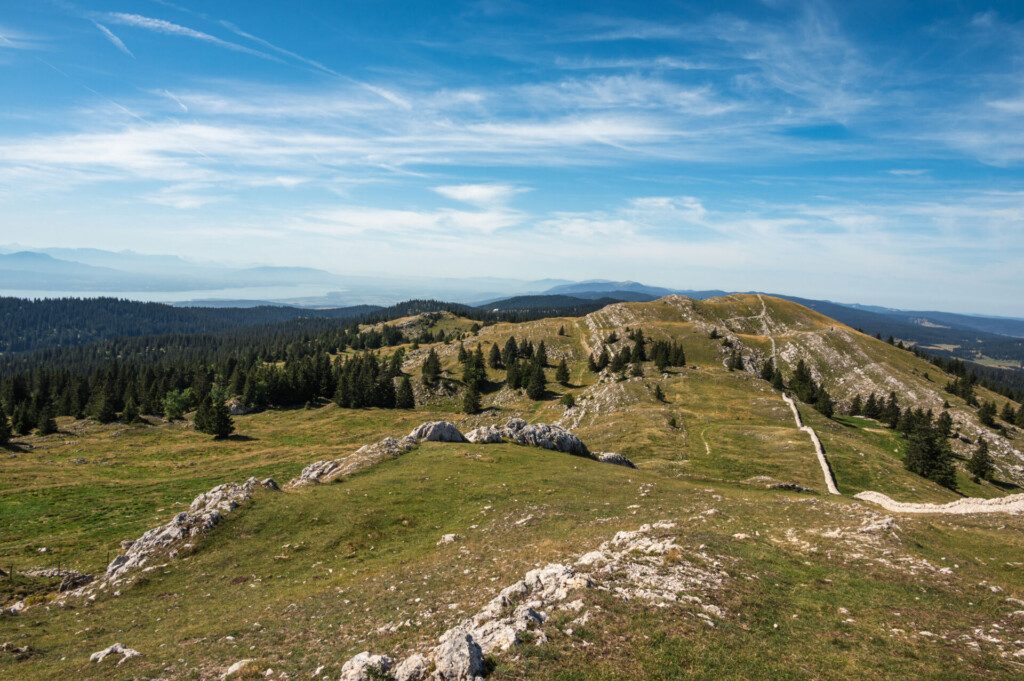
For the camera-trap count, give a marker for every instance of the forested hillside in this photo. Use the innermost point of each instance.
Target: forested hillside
(63, 322)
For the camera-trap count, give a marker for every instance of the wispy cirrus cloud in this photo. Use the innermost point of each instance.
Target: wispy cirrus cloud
(171, 28)
(114, 40)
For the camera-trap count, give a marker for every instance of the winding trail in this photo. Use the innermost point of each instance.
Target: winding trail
(1013, 503)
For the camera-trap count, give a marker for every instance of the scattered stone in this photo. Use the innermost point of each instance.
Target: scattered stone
(116, 649)
(236, 669)
(449, 539)
(19, 652)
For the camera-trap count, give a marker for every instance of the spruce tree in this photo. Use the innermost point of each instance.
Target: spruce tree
(980, 463)
(562, 372)
(103, 409)
(768, 370)
(857, 406)
(987, 414)
(591, 364)
(222, 424)
(431, 368)
(46, 424)
(404, 398)
(777, 381)
(131, 410)
(23, 423)
(471, 400)
(542, 354)
(536, 385)
(494, 357)
(944, 424)
(5, 427)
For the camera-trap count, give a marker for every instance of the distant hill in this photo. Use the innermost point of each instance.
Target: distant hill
(952, 339)
(555, 304)
(65, 322)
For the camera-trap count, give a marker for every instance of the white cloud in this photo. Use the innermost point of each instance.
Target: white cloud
(114, 40)
(170, 28)
(480, 194)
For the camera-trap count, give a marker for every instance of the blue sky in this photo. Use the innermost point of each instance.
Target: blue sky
(861, 151)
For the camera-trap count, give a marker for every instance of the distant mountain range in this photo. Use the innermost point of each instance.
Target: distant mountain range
(53, 272)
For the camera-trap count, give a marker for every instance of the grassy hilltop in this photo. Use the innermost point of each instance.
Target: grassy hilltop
(814, 586)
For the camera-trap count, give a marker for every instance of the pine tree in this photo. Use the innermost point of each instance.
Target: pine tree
(462, 354)
(542, 354)
(857, 406)
(5, 427)
(222, 423)
(494, 357)
(777, 381)
(511, 352)
(204, 415)
(987, 414)
(824, 404)
(929, 456)
(536, 385)
(431, 368)
(404, 398)
(23, 423)
(871, 407)
(471, 400)
(103, 409)
(980, 463)
(131, 410)
(944, 424)
(46, 424)
(562, 372)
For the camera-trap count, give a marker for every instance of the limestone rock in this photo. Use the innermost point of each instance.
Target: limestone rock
(236, 669)
(116, 649)
(413, 668)
(437, 431)
(366, 667)
(544, 435)
(485, 435)
(613, 458)
(457, 656)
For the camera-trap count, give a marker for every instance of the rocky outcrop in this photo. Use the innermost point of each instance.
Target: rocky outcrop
(486, 435)
(237, 407)
(614, 458)
(544, 435)
(437, 431)
(1013, 504)
(365, 457)
(204, 513)
(116, 649)
(643, 564)
(69, 579)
